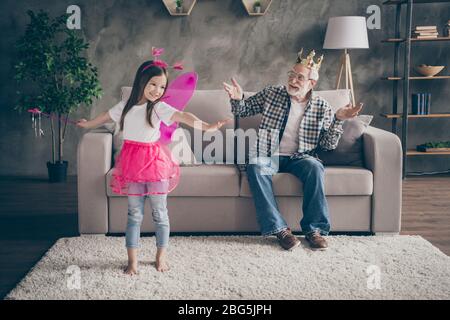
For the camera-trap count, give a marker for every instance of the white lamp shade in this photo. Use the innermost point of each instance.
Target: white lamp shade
(347, 32)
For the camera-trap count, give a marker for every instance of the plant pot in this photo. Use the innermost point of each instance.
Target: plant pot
(179, 9)
(257, 9)
(57, 172)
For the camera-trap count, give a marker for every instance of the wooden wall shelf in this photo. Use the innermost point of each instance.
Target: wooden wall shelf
(414, 1)
(422, 153)
(416, 78)
(248, 4)
(433, 115)
(394, 40)
(187, 7)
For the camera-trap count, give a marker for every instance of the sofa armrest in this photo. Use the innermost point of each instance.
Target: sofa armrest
(94, 161)
(383, 156)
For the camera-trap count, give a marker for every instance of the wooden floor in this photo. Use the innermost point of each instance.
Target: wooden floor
(426, 209)
(34, 214)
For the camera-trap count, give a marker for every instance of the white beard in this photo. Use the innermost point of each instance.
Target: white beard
(300, 93)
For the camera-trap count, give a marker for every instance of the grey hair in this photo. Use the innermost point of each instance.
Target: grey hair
(314, 74)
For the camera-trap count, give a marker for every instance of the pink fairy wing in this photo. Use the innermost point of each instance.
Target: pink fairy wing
(177, 95)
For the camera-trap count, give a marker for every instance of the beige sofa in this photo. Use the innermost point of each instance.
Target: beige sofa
(217, 198)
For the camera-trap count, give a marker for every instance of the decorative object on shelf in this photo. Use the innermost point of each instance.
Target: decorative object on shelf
(447, 29)
(420, 103)
(179, 7)
(434, 146)
(348, 32)
(428, 71)
(256, 7)
(425, 32)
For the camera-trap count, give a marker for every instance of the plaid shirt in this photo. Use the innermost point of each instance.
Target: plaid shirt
(318, 128)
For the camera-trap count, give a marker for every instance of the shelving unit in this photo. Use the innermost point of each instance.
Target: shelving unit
(396, 78)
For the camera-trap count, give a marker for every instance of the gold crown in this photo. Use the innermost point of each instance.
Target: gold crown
(309, 60)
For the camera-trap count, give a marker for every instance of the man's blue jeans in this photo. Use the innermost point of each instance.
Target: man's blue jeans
(136, 214)
(315, 208)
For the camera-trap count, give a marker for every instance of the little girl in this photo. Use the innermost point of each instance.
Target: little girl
(145, 167)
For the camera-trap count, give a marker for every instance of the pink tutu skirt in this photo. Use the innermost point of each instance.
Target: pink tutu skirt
(144, 169)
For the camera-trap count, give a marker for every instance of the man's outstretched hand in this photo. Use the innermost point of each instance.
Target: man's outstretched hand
(216, 126)
(234, 90)
(349, 111)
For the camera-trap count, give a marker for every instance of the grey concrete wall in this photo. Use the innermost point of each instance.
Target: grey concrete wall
(218, 40)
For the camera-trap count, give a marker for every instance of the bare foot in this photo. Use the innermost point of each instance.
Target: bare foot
(161, 261)
(131, 268)
(162, 265)
(132, 262)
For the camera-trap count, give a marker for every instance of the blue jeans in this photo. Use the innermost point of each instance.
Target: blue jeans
(136, 214)
(315, 208)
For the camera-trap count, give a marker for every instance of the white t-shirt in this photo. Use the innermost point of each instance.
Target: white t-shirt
(289, 141)
(135, 124)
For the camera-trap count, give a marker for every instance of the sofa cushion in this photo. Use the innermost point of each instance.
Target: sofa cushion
(209, 106)
(339, 181)
(336, 98)
(349, 151)
(201, 180)
(212, 106)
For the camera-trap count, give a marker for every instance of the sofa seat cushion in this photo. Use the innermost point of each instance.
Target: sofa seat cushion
(339, 181)
(200, 181)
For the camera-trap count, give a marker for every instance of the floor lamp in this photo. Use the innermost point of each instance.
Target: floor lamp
(346, 33)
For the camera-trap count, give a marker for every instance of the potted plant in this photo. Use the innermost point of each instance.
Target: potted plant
(54, 77)
(179, 6)
(257, 6)
(434, 146)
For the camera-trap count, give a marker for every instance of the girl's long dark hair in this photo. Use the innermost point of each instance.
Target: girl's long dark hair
(140, 81)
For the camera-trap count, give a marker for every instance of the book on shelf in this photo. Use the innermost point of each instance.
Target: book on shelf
(423, 28)
(420, 103)
(414, 103)
(426, 33)
(426, 37)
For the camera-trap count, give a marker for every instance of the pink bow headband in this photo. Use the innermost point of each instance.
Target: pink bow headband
(156, 52)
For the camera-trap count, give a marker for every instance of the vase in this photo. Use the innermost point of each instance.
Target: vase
(57, 172)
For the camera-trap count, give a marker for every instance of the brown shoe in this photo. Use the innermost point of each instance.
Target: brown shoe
(316, 241)
(287, 240)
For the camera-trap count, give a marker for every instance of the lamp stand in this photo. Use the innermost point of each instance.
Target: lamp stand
(345, 65)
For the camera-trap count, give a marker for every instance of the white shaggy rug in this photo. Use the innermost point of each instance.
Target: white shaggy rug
(242, 267)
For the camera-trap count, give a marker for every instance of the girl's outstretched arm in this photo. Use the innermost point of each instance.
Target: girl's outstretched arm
(196, 123)
(97, 121)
